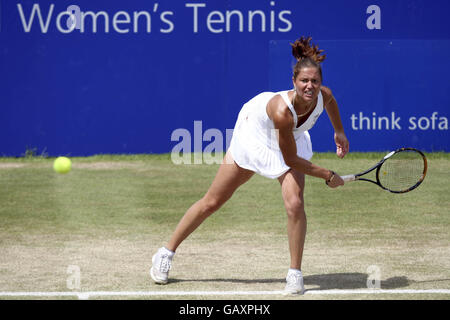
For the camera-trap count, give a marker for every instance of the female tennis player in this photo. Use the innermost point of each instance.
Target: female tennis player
(271, 138)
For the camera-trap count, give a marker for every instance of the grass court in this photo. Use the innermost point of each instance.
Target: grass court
(96, 228)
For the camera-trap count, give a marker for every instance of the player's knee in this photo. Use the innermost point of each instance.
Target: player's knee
(294, 208)
(211, 205)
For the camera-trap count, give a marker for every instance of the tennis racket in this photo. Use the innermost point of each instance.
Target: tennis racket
(399, 171)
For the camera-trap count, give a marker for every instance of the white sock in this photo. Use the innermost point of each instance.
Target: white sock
(295, 271)
(170, 253)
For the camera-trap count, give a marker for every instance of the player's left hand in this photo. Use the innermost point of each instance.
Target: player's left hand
(342, 145)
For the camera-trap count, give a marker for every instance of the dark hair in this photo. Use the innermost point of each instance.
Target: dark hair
(307, 55)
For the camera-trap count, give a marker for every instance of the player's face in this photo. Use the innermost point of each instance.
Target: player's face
(307, 83)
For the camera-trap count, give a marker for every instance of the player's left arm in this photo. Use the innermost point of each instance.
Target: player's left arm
(330, 105)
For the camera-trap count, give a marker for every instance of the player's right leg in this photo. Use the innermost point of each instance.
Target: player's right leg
(228, 178)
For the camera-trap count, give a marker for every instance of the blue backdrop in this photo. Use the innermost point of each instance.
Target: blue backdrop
(130, 76)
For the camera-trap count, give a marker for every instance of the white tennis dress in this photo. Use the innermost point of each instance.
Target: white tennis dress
(254, 144)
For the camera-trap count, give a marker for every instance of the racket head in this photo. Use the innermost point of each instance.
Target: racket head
(402, 170)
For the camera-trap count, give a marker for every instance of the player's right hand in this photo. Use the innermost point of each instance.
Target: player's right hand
(336, 181)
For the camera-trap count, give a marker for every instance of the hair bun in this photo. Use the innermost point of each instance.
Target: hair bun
(302, 48)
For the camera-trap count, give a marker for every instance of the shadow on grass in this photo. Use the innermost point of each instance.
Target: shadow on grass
(323, 281)
(352, 281)
(244, 281)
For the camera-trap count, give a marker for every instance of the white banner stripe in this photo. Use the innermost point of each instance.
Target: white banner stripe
(87, 294)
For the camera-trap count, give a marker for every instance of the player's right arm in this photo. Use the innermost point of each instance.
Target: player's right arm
(284, 122)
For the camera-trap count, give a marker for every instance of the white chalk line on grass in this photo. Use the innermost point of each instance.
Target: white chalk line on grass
(88, 294)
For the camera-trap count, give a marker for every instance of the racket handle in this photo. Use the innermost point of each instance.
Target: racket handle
(348, 178)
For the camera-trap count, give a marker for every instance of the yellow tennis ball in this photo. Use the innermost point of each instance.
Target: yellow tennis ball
(62, 165)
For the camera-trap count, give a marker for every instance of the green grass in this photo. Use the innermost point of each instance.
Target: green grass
(111, 212)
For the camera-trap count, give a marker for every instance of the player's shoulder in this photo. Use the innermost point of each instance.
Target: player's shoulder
(327, 95)
(277, 100)
(326, 92)
(279, 113)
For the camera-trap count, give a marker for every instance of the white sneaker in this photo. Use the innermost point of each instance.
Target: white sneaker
(294, 282)
(162, 262)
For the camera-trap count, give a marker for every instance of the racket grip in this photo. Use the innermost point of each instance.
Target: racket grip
(348, 178)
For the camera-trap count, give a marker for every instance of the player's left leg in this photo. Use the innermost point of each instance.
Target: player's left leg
(292, 186)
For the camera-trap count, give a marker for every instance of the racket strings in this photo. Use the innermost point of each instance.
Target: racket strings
(402, 171)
